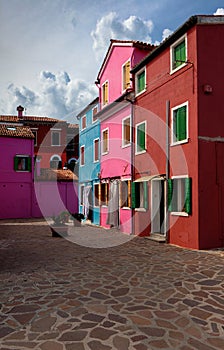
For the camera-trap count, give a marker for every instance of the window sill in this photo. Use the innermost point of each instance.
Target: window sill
(125, 208)
(105, 153)
(179, 142)
(140, 92)
(137, 153)
(96, 161)
(55, 145)
(181, 213)
(125, 146)
(172, 71)
(141, 210)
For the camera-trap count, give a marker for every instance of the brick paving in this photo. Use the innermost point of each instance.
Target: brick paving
(139, 295)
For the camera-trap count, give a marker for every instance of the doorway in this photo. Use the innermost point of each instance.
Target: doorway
(158, 206)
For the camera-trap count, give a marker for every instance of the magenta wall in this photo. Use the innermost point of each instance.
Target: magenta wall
(15, 187)
(50, 198)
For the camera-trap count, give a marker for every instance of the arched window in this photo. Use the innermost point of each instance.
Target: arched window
(55, 162)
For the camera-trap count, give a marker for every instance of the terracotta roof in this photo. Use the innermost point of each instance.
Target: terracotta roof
(56, 175)
(73, 126)
(13, 118)
(16, 131)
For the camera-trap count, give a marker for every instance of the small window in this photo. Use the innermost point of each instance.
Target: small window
(178, 53)
(96, 150)
(104, 193)
(139, 195)
(105, 141)
(55, 138)
(126, 132)
(179, 195)
(83, 122)
(140, 82)
(55, 162)
(96, 195)
(179, 127)
(22, 163)
(82, 155)
(95, 110)
(140, 137)
(125, 194)
(105, 93)
(126, 81)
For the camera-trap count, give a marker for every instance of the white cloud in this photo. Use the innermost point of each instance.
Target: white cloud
(58, 96)
(112, 27)
(219, 11)
(166, 32)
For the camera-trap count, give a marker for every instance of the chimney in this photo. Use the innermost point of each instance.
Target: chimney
(20, 110)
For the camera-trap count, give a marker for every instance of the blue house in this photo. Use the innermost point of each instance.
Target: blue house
(89, 162)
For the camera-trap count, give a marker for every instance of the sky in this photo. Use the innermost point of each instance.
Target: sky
(51, 50)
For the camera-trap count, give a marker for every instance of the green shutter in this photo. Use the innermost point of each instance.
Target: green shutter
(181, 124)
(135, 200)
(145, 187)
(179, 54)
(170, 193)
(141, 137)
(141, 81)
(188, 196)
(15, 163)
(29, 163)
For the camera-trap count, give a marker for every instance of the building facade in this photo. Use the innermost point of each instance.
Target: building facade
(179, 134)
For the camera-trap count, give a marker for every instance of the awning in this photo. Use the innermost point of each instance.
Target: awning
(150, 177)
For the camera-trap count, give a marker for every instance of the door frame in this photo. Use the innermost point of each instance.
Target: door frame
(156, 226)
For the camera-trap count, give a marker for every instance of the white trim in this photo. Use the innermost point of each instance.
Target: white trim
(102, 152)
(84, 116)
(173, 109)
(59, 133)
(122, 180)
(94, 121)
(136, 82)
(82, 146)
(122, 75)
(136, 144)
(172, 47)
(96, 161)
(122, 141)
(179, 213)
(55, 155)
(104, 104)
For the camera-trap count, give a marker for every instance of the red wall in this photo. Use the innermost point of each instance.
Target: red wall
(151, 105)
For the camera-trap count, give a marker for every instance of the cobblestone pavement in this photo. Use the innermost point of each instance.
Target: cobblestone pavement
(58, 295)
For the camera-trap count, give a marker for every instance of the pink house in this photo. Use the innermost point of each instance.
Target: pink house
(16, 175)
(115, 96)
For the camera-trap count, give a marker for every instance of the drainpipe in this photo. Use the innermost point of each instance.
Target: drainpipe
(167, 166)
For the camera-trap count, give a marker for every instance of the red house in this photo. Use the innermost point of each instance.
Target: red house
(178, 189)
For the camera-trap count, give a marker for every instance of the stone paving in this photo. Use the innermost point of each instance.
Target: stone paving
(139, 295)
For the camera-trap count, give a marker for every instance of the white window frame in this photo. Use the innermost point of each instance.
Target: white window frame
(172, 47)
(124, 207)
(122, 74)
(136, 82)
(173, 109)
(102, 151)
(142, 198)
(179, 213)
(105, 104)
(59, 133)
(84, 116)
(124, 145)
(94, 121)
(136, 143)
(94, 157)
(81, 165)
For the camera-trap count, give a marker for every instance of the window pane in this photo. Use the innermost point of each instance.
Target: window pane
(126, 132)
(96, 150)
(55, 138)
(96, 195)
(105, 141)
(141, 137)
(179, 54)
(141, 82)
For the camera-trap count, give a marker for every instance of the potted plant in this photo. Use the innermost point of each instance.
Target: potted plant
(59, 227)
(77, 219)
